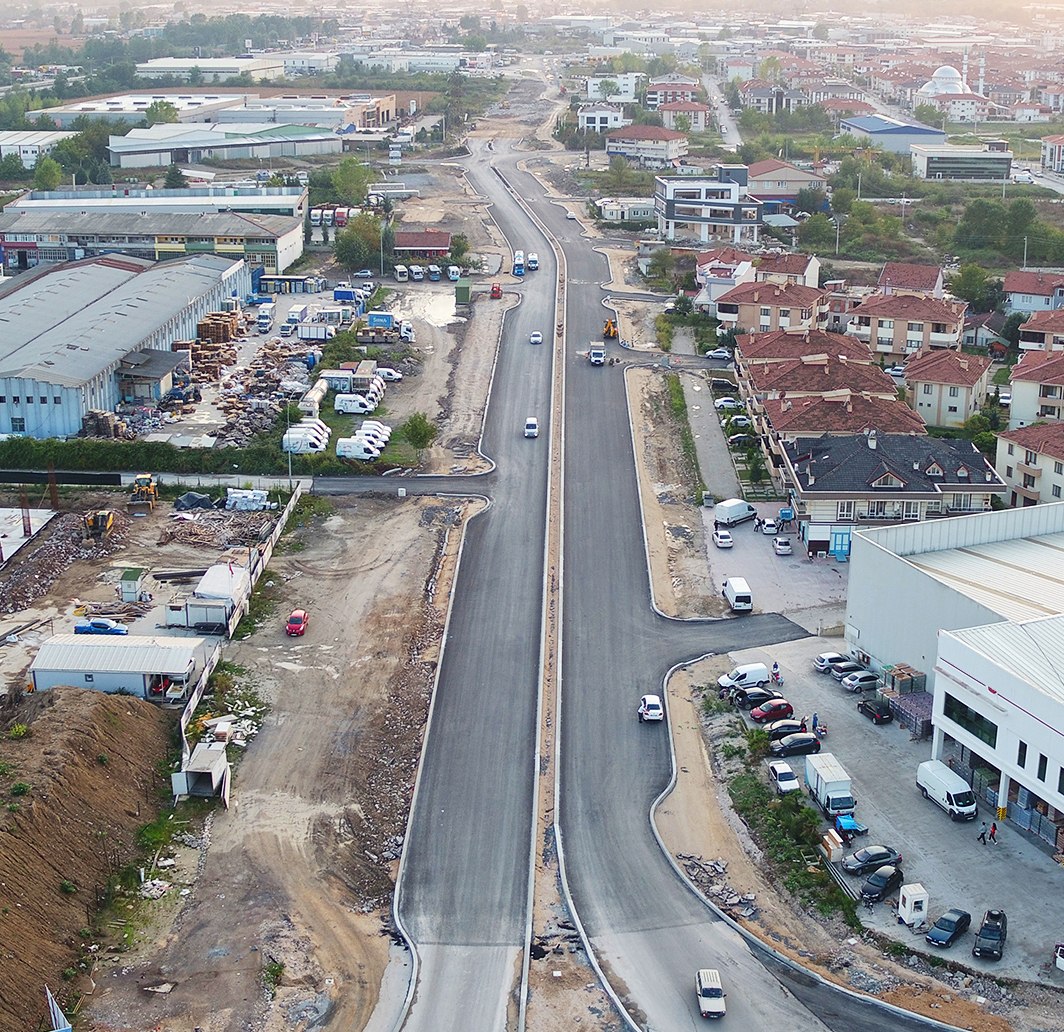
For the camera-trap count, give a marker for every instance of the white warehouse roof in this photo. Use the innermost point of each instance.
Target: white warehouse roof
(123, 654)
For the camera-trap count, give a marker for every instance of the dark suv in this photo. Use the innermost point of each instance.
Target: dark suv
(990, 939)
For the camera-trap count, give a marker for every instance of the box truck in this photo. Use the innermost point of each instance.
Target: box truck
(829, 784)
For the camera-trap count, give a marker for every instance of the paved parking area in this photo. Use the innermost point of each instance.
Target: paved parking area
(945, 857)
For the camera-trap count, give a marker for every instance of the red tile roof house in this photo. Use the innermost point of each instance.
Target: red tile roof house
(771, 306)
(1043, 331)
(947, 387)
(1034, 291)
(1037, 388)
(816, 375)
(786, 346)
(699, 114)
(901, 278)
(429, 243)
(899, 325)
(790, 268)
(841, 412)
(1031, 462)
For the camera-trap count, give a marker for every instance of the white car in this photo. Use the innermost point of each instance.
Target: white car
(722, 539)
(824, 661)
(782, 546)
(770, 526)
(531, 427)
(571, 215)
(650, 708)
(897, 371)
(535, 338)
(719, 355)
(728, 404)
(392, 375)
(783, 779)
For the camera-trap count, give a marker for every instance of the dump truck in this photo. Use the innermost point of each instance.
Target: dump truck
(145, 493)
(596, 353)
(609, 330)
(98, 525)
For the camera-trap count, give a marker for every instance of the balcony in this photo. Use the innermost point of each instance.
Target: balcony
(1031, 471)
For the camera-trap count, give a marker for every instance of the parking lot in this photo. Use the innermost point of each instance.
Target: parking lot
(945, 857)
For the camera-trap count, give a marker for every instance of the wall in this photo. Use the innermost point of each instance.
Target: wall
(101, 682)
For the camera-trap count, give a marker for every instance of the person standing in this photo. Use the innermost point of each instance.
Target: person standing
(982, 834)
(993, 832)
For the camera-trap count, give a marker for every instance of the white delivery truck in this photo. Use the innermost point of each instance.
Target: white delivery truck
(943, 785)
(733, 511)
(738, 595)
(353, 448)
(354, 404)
(829, 785)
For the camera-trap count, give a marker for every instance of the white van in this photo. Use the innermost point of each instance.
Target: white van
(749, 675)
(940, 783)
(376, 424)
(733, 511)
(710, 993)
(737, 594)
(301, 443)
(353, 448)
(417, 272)
(454, 274)
(374, 437)
(353, 403)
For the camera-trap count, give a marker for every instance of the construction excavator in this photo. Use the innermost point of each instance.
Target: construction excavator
(145, 493)
(97, 525)
(609, 330)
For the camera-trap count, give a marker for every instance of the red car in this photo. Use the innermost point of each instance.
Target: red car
(297, 623)
(774, 709)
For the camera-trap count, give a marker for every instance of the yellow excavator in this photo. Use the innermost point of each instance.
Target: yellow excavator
(98, 525)
(145, 493)
(609, 330)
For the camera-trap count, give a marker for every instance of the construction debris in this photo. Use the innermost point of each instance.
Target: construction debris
(219, 528)
(706, 876)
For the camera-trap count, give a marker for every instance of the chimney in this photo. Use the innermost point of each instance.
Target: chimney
(872, 439)
(964, 364)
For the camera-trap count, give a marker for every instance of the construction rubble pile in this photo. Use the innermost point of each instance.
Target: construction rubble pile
(708, 876)
(218, 527)
(123, 612)
(30, 574)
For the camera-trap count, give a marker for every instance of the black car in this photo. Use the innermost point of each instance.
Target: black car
(990, 939)
(844, 669)
(748, 698)
(949, 928)
(742, 440)
(882, 883)
(782, 728)
(870, 858)
(795, 745)
(876, 711)
(717, 384)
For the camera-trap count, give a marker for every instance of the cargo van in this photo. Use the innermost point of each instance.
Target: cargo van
(943, 785)
(300, 443)
(434, 273)
(733, 511)
(353, 403)
(417, 272)
(353, 448)
(749, 675)
(737, 594)
(454, 274)
(710, 993)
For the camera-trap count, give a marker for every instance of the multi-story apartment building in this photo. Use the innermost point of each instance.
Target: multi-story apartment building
(708, 208)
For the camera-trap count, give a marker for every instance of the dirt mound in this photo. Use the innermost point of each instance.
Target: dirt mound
(89, 761)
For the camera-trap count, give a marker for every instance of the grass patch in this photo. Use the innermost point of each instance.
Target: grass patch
(272, 973)
(264, 601)
(678, 410)
(663, 332)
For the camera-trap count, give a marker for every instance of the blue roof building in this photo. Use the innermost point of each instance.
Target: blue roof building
(891, 134)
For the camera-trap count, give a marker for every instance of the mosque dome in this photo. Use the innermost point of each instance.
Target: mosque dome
(945, 80)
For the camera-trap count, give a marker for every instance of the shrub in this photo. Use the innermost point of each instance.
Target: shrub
(17, 731)
(19, 788)
(68, 888)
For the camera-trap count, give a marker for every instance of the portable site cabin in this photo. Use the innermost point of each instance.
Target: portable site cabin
(221, 592)
(207, 773)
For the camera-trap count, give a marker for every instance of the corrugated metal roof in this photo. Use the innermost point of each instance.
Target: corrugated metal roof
(1032, 650)
(72, 322)
(1022, 579)
(117, 654)
(105, 223)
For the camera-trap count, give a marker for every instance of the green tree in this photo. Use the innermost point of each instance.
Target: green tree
(11, 168)
(810, 199)
(175, 178)
(351, 181)
(359, 244)
(817, 231)
(684, 305)
(1011, 330)
(160, 111)
(195, 76)
(928, 114)
(662, 263)
(419, 432)
(459, 246)
(770, 69)
(981, 226)
(324, 233)
(477, 44)
(469, 22)
(820, 31)
(969, 284)
(842, 199)
(682, 123)
(619, 175)
(308, 229)
(47, 175)
(608, 88)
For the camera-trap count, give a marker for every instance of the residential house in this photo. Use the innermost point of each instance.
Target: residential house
(899, 325)
(947, 387)
(1005, 95)
(764, 307)
(1027, 291)
(789, 268)
(717, 271)
(1053, 148)
(626, 209)
(429, 243)
(1043, 331)
(741, 68)
(708, 207)
(822, 91)
(789, 345)
(1028, 111)
(983, 330)
(671, 91)
(599, 118)
(902, 278)
(844, 106)
(839, 484)
(770, 99)
(843, 301)
(1031, 462)
(651, 146)
(1037, 388)
(699, 115)
(627, 83)
(839, 413)
(777, 183)
(814, 375)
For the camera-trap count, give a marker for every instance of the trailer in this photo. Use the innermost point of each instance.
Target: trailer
(315, 331)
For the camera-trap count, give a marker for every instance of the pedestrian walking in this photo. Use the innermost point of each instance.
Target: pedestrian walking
(757, 523)
(982, 834)
(716, 524)
(993, 832)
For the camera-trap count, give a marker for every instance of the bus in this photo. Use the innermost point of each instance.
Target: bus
(519, 263)
(402, 274)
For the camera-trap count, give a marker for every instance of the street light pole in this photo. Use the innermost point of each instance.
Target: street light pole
(382, 248)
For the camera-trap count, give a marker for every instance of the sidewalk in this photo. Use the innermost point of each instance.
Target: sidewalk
(714, 459)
